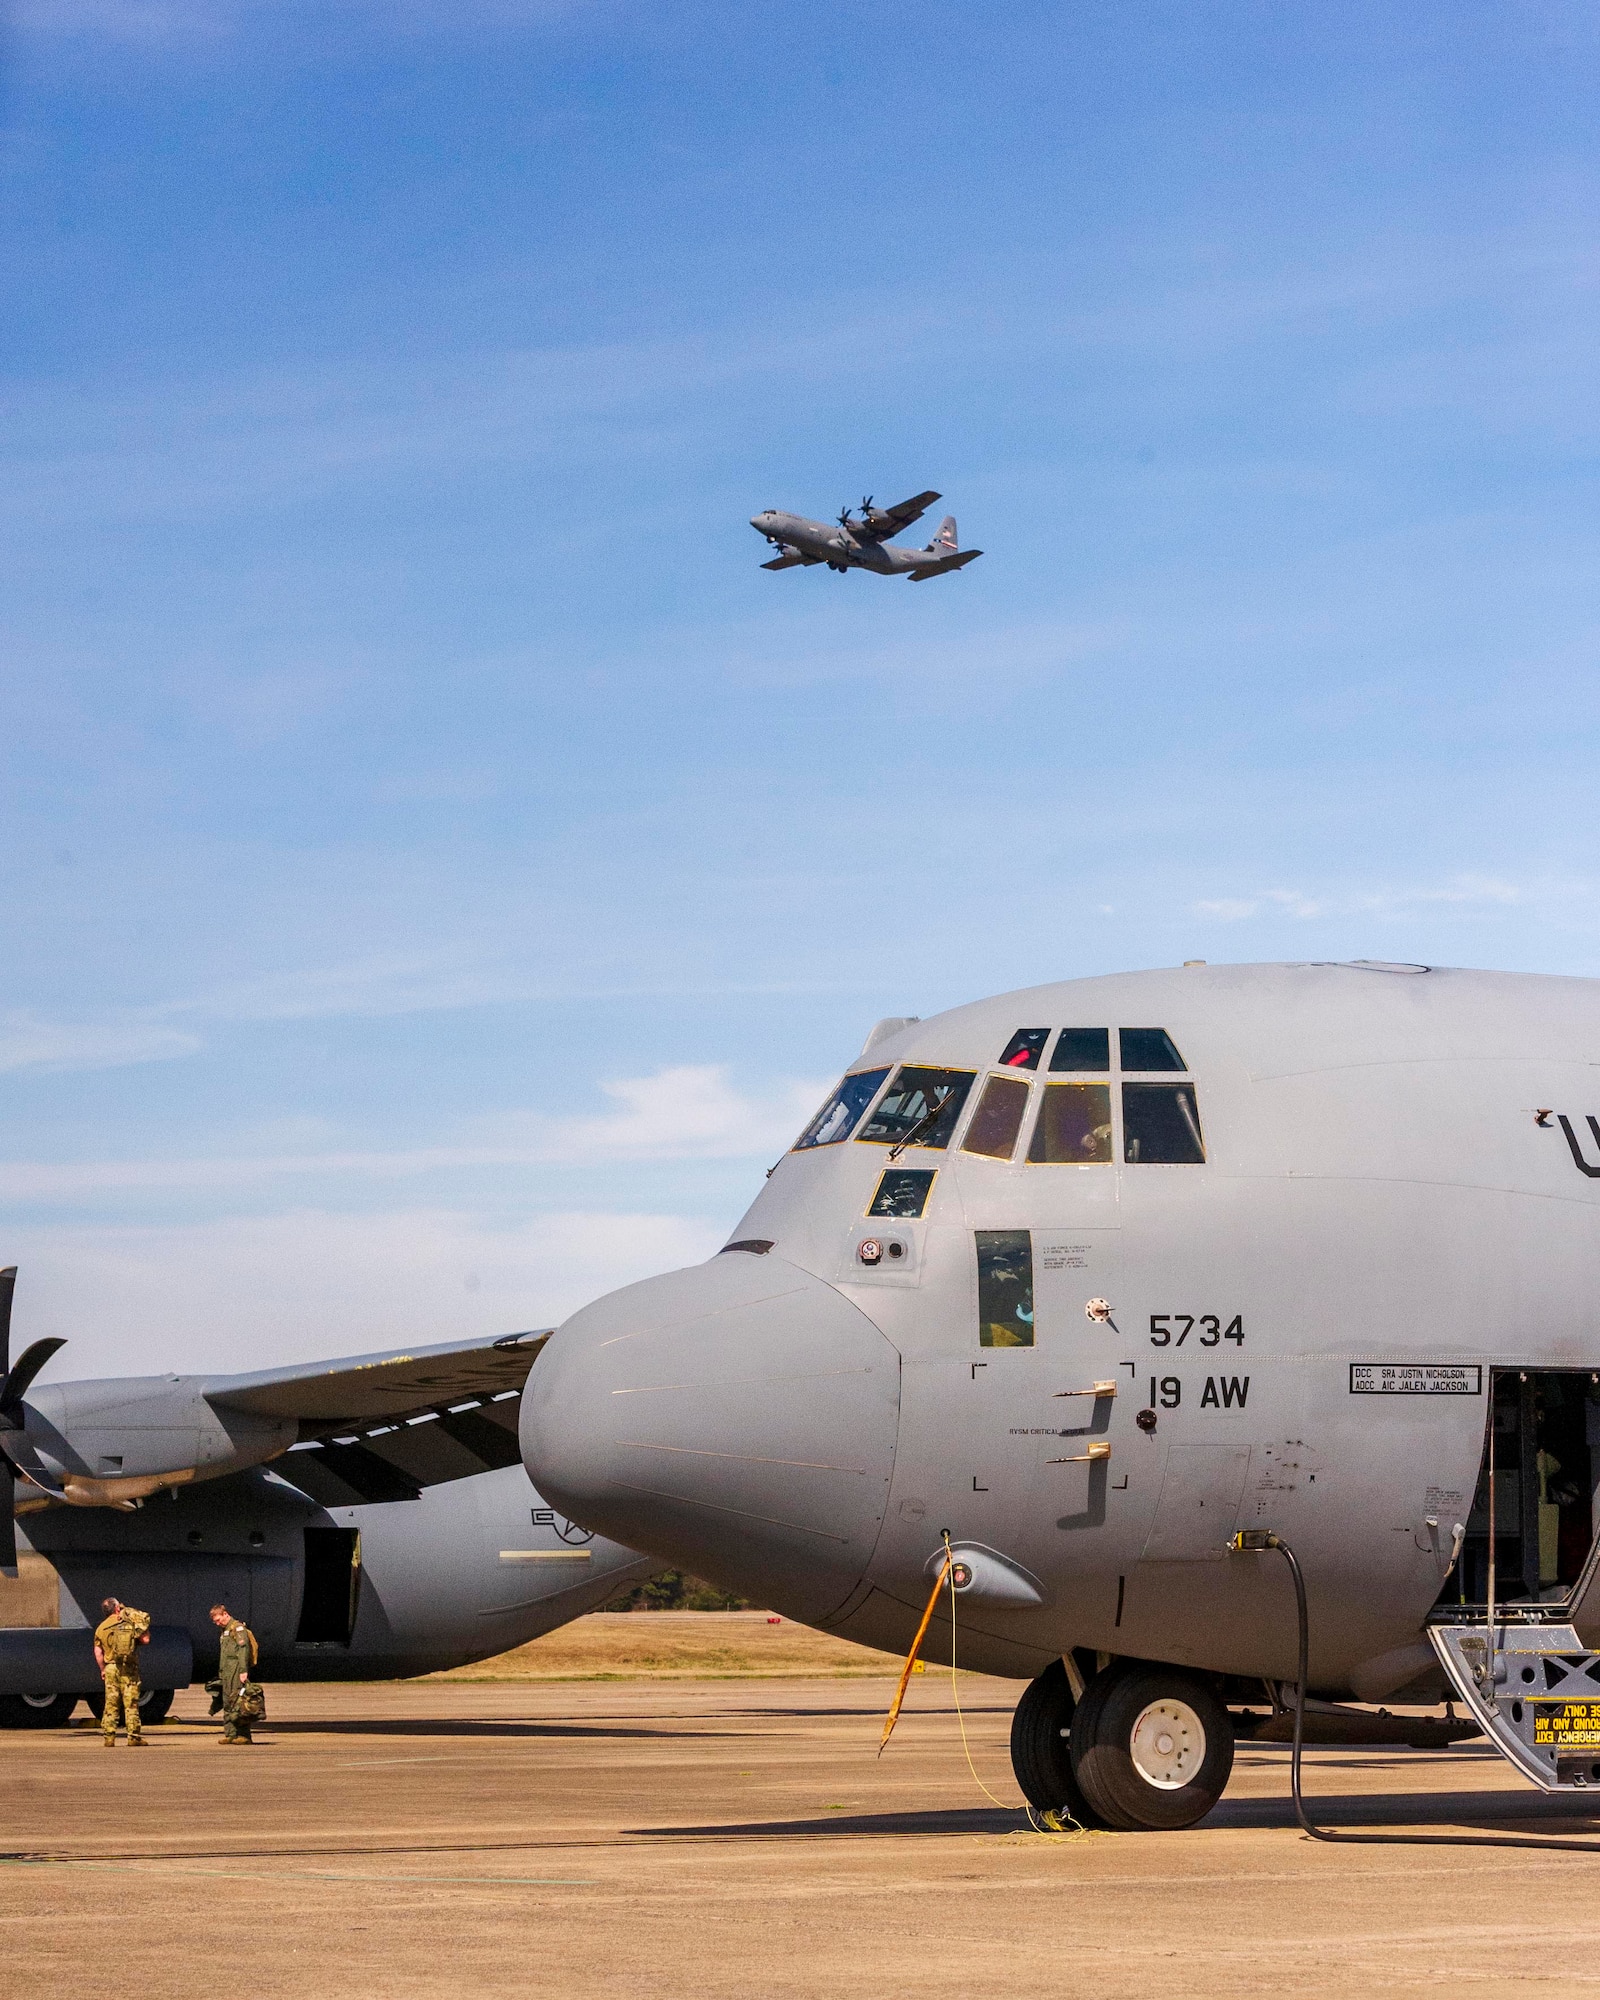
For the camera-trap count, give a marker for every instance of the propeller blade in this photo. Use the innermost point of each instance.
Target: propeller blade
(20, 1380)
(8, 1285)
(8, 1518)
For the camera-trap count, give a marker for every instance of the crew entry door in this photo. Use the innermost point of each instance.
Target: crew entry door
(1540, 1468)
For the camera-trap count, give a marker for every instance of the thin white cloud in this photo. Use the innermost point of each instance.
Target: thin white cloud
(247, 1293)
(691, 1112)
(27, 1042)
(1464, 892)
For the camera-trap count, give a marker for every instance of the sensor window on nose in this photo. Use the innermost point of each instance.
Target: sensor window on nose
(903, 1193)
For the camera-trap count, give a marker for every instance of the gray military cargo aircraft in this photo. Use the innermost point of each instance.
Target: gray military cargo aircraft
(1104, 1289)
(284, 1495)
(848, 544)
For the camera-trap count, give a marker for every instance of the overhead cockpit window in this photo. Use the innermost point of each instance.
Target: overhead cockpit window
(1024, 1048)
(837, 1118)
(1082, 1049)
(1005, 1288)
(1149, 1049)
(1161, 1124)
(998, 1118)
(903, 1193)
(920, 1108)
(1073, 1126)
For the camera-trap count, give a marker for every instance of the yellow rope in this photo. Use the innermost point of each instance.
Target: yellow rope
(1049, 1825)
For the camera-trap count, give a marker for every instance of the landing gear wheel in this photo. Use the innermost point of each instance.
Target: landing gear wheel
(1152, 1748)
(36, 1711)
(154, 1704)
(1040, 1754)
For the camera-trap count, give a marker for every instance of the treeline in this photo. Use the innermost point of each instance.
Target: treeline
(673, 1590)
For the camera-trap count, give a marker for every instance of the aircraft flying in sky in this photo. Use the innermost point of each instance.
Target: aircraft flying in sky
(1079, 1286)
(849, 543)
(367, 1518)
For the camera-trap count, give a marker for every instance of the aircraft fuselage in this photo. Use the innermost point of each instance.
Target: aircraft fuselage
(1297, 1215)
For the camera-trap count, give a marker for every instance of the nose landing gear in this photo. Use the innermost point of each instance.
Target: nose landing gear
(1147, 1749)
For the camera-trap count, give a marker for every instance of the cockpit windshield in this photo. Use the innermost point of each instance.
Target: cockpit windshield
(837, 1118)
(929, 1099)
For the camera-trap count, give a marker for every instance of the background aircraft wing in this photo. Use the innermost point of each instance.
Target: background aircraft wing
(380, 1388)
(790, 560)
(882, 522)
(383, 1426)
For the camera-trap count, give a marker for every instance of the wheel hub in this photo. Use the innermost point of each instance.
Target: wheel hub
(1168, 1744)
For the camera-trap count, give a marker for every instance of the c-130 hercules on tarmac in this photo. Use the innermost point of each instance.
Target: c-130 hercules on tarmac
(848, 544)
(1096, 1287)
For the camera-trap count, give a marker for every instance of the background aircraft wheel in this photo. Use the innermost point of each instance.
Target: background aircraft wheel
(36, 1711)
(1152, 1748)
(154, 1703)
(1041, 1756)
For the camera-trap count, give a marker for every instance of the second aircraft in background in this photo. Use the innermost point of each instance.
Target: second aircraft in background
(851, 544)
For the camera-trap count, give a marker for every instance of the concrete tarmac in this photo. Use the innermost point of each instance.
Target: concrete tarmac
(722, 1838)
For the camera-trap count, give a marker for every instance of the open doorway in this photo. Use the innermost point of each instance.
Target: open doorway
(1544, 1430)
(332, 1585)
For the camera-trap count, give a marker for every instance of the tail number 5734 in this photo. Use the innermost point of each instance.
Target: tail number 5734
(1173, 1329)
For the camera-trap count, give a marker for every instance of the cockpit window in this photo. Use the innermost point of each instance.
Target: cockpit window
(1005, 1288)
(837, 1118)
(920, 1108)
(1082, 1049)
(1149, 1049)
(1024, 1048)
(903, 1193)
(1073, 1126)
(1161, 1124)
(998, 1118)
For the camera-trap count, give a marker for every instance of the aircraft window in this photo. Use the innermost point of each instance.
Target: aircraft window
(1005, 1288)
(1074, 1124)
(919, 1108)
(837, 1118)
(1082, 1048)
(1024, 1048)
(1149, 1048)
(903, 1193)
(998, 1118)
(1160, 1122)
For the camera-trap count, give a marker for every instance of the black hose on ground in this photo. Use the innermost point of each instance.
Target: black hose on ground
(1253, 1541)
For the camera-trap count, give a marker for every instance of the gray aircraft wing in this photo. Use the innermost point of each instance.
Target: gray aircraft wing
(383, 1426)
(882, 522)
(791, 560)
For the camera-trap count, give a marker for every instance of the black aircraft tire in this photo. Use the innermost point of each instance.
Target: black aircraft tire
(155, 1704)
(37, 1711)
(1040, 1755)
(1152, 1748)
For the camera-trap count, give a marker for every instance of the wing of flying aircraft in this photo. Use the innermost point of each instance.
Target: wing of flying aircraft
(791, 559)
(877, 524)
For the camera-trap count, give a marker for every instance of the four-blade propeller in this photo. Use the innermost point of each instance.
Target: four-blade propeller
(14, 1385)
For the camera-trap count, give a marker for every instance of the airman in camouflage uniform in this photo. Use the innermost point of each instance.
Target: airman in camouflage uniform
(237, 1654)
(117, 1639)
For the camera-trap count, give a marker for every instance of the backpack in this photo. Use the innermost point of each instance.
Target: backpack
(252, 1703)
(122, 1641)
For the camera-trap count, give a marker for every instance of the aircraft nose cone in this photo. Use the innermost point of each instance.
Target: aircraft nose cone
(758, 520)
(737, 1420)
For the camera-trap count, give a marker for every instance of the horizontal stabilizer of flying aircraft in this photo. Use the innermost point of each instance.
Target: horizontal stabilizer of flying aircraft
(864, 543)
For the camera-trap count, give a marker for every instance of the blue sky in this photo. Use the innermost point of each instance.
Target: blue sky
(441, 868)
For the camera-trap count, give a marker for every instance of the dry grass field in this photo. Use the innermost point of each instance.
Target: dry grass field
(678, 1645)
